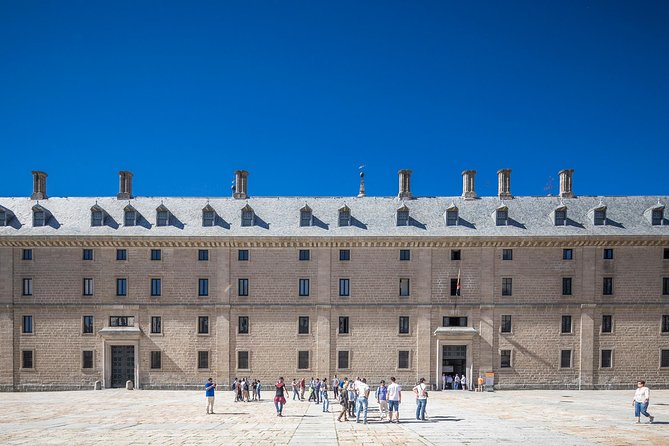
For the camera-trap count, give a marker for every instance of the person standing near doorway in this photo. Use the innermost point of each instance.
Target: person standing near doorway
(640, 402)
(209, 388)
(443, 381)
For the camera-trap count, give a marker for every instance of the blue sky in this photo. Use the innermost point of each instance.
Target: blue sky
(300, 93)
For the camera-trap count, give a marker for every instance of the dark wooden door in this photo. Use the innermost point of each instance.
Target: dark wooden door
(123, 365)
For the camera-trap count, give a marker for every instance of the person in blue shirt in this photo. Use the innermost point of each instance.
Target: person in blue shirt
(209, 388)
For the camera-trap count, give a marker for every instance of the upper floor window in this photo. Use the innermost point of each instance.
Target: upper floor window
(306, 216)
(507, 254)
(507, 286)
(404, 287)
(561, 217)
(27, 254)
(567, 254)
(27, 289)
(566, 324)
(607, 323)
(506, 323)
(203, 287)
(403, 216)
(305, 254)
(203, 255)
(248, 216)
(129, 216)
(87, 325)
(404, 325)
(243, 325)
(243, 255)
(304, 287)
(39, 216)
(405, 254)
(121, 254)
(162, 216)
(344, 254)
(156, 254)
(666, 253)
(665, 323)
(243, 287)
(456, 254)
(343, 325)
(203, 325)
(600, 216)
(121, 321)
(87, 254)
(607, 286)
(454, 321)
(665, 286)
(156, 287)
(452, 216)
(344, 216)
(97, 216)
(502, 216)
(208, 216)
(608, 253)
(156, 324)
(303, 325)
(344, 287)
(27, 325)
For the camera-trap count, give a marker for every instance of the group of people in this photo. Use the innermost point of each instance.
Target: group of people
(450, 382)
(246, 390)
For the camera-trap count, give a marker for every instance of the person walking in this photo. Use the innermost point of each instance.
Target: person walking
(324, 395)
(382, 399)
(209, 389)
(235, 385)
(280, 396)
(456, 382)
(317, 391)
(640, 402)
(245, 390)
(343, 400)
(302, 386)
(394, 396)
(421, 399)
(258, 388)
(351, 398)
(294, 386)
(362, 390)
(335, 387)
(463, 382)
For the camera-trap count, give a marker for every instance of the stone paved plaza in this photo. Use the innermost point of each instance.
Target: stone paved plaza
(456, 417)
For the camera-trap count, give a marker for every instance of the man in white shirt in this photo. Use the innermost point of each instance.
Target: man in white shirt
(421, 399)
(394, 396)
(362, 390)
(640, 402)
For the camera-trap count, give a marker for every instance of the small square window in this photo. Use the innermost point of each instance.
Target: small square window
(303, 360)
(155, 287)
(344, 254)
(565, 359)
(88, 254)
(507, 286)
(121, 287)
(243, 287)
(566, 324)
(343, 325)
(156, 324)
(156, 360)
(344, 288)
(242, 360)
(607, 323)
(303, 325)
(87, 359)
(203, 255)
(507, 254)
(404, 287)
(121, 254)
(506, 323)
(27, 325)
(567, 254)
(243, 327)
(203, 325)
(403, 359)
(202, 359)
(304, 287)
(27, 359)
(87, 325)
(505, 359)
(304, 255)
(607, 286)
(405, 254)
(156, 254)
(404, 325)
(243, 255)
(203, 287)
(608, 253)
(456, 254)
(607, 359)
(27, 254)
(566, 286)
(342, 359)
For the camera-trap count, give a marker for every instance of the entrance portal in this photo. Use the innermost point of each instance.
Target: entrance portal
(122, 365)
(454, 359)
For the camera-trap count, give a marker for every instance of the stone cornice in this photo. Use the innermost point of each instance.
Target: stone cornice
(333, 242)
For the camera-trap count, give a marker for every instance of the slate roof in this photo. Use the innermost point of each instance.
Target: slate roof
(371, 216)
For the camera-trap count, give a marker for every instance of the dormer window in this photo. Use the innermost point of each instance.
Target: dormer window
(561, 216)
(502, 216)
(452, 216)
(129, 216)
(344, 216)
(657, 218)
(162, 216)
(600, 216)
(306, 216)
(208, 216)
(248, 216)
(5, 216)
(403, 216)
(40, 216)
(97, 216)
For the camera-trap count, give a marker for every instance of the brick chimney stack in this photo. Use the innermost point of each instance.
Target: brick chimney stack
(405, 184)
(504, 184)
(39, 185)
(565, 183)
(240, 191)
(468, 192)
(125, 185)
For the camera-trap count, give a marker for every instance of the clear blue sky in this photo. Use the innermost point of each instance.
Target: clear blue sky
(300, 93)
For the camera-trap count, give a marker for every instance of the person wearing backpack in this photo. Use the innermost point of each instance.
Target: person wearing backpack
(421, 399)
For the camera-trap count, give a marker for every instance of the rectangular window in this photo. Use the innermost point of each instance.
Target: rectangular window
(203, 359)
(402, 218)
(451, 218)
(454, 287)
(121, 321)
(202, 255)
(27, 254)
(405, 254)
(129, 218)
(121, 254)
(344, 254)
(155, 287)
(565, 359)
(606, 362)
(343, 325)
(608, 253)
(303, 325)
(404, 287)
(27, 287)
(243, 255)
(247, 218)
(454, 321)
(507, 254)
(456, 254)
(305, 218)
(203, 325)
(156, 254)
(87, 325)
(242, 360)
(203, 287)
(600, 218)
(506, 323)
(566, 324)
(303, 360)
(403, 359)
(566, 286)
(607, 323)
(208, 218)
(39, 218)
(507, 286)
(505, 359)
(665, 323)
(88, 254)
(344, 218)
(87, 359)
(664, 358)
(560, 218)
(404, 325)
(88, 287)
(567, 254)
(122, 287)
(502, 218)
(657, 216)
(607, 286)
(243, 327)
(156, 324)
(27, 325)
(665, 286)
(666, 253)
(304, 287)
(27, 361)
(304, 255)
(156, 360)
(162, 218)
(342, 359)
(243, 287)
(344, 287)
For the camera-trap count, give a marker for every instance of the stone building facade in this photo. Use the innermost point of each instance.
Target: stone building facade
(544, 292)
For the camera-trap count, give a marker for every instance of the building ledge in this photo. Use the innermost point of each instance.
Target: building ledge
(455, 332)
(130, 333)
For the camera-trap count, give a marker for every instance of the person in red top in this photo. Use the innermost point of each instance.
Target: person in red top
(280, 396)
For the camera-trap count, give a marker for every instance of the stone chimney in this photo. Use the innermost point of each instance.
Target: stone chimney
(39, 185)
(361, 191)
(125, 185)
(504, 184)
(565, 183)
(405, 184)
(468, 192)
(240, 190)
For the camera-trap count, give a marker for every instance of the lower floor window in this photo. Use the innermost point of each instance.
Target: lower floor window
(303, 360)
(664, 358)
(505, 359)
(403, 359)
(87, 359)
(27, 359)
(203, 360)
(342, 359)
(607, 356)
(565, 359)
(243, 360)
(156, 360)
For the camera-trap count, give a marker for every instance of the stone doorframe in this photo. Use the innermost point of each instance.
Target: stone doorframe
(454, 336)
(119, 336)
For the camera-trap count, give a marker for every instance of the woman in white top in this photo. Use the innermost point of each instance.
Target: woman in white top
(640, 402)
